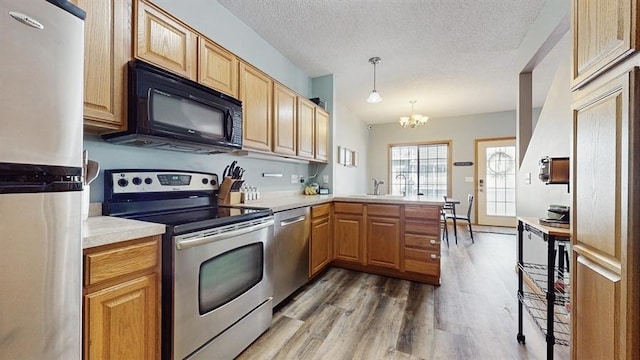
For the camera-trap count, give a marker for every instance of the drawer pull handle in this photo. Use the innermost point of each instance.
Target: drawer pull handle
(434, 256)
(433, 242)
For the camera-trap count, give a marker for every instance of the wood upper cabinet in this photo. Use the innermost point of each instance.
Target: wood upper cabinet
(256, 91)
(284, 120)
(122, 300)
(605, 296)
(321, 246)
(217, 67)
(349, 232)
(164, 41)
(306, 128)
(383, 235)
(321, 135)
(107, 43)
(604, 33)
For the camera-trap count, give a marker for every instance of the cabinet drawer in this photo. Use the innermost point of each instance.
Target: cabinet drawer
(422, 261)
(422, 212)
(112, 263)
(348, 208)
(383, 210)
(426, 242)
(422, 227)
(320, 210)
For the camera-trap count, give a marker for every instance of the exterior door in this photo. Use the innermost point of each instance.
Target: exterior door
(496, 182)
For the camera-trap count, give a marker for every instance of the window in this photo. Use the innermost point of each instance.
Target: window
(420, 169)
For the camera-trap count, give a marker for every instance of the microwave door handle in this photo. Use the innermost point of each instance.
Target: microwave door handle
(228, 126)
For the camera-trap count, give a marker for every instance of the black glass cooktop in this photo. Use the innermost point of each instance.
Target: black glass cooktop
(184, 221)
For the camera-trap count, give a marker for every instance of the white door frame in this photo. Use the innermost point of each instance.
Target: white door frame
(477, 171)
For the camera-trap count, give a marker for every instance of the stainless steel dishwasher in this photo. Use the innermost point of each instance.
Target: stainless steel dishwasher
(290, 252)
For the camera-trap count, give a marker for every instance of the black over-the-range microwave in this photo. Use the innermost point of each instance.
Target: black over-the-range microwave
(169, 112)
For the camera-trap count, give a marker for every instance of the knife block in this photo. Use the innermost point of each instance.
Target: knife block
(229, 193)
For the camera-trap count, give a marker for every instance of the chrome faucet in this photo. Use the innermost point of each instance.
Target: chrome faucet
(404, 193)
(376, 186)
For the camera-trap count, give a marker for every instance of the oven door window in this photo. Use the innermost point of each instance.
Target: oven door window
(229, 275)
(186, 117)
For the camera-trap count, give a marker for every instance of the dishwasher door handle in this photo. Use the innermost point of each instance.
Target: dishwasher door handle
(186, 244)
(294, 220)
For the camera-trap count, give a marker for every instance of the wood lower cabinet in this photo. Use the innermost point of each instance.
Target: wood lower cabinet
(383, 236)
(349, 232)
(107, 44)
(256, 93)
(122, 300)
(321, 137)
(605, 296)
(285, 119)
(422, 240)
(604, 33)
(164, 41)
(321, 245)
(217, 67)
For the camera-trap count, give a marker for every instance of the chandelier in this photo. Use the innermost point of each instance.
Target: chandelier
(374, 97)
(414, 119)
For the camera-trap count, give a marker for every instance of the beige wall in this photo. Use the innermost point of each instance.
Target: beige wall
(351, 133)
(551, 137)
(462, 131)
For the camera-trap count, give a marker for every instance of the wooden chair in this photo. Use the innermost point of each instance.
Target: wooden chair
(456, 217)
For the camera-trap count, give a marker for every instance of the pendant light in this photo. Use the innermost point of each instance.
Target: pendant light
(374, 97)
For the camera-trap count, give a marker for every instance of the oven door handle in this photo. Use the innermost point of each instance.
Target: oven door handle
(186, 244)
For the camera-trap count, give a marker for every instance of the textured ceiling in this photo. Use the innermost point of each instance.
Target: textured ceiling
(454, 57)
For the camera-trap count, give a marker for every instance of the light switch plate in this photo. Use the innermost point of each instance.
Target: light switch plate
(325, 179)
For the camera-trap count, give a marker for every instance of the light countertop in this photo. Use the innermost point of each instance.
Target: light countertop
(288, 202)
(103, 230)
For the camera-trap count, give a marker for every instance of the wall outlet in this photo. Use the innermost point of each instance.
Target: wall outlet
(527, 179)
(325, 179)
(294, 179)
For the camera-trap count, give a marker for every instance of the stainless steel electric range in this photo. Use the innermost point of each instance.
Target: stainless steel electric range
(216, 260)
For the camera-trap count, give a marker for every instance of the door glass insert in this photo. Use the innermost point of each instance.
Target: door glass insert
(501, 181)
(229, 275)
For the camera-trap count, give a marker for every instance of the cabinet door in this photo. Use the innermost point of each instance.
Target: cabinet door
(107, 44)
(121, 322)
(348, 238)
(383, 242)
(165, 42)
(321, 248)
(605, 315)
(217, 68)
(306, 131)
(322, 135)
(604, 32)
(256, 91)
(284, 120)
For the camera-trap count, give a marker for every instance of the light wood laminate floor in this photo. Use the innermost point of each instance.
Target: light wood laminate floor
(351, 315)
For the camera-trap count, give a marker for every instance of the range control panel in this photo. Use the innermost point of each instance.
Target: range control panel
(144, 181)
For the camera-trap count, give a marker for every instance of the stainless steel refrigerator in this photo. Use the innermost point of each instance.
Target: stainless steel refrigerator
(41, 76)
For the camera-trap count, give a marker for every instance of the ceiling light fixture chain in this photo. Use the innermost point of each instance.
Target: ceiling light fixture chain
(374, 97)
(414, 119)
